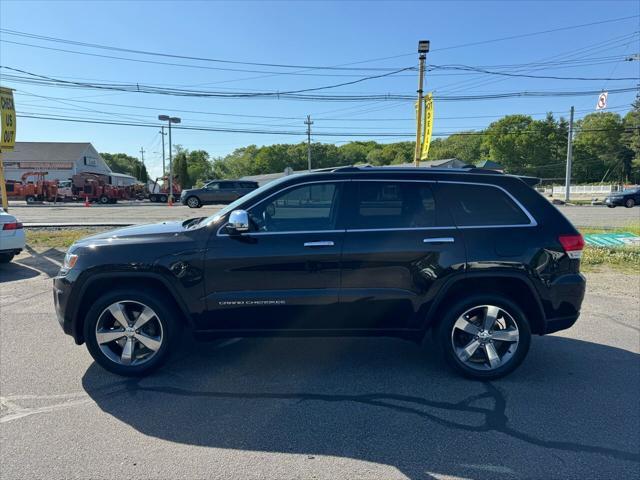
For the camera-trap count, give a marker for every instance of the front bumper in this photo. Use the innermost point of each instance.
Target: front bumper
(614, 201)
(61, 300)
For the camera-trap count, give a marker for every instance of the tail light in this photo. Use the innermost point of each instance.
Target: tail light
(11, 226)
(572, 244)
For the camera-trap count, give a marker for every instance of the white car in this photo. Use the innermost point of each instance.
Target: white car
(11, 236)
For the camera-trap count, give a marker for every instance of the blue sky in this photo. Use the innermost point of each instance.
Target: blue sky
(304, 33)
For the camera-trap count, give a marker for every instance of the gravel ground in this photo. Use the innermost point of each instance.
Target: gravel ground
(317, 408)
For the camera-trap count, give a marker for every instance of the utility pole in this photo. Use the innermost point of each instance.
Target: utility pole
(567, 181)
(142, 154)
(163, 134)
(308, 123)
(423, 48)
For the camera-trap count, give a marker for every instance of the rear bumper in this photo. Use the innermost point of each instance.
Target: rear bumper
(565, 295)
(561, 323)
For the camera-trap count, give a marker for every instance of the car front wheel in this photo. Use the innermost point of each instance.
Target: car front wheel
(194, 202)
(130, 333)
(629, 203)
(484, 337)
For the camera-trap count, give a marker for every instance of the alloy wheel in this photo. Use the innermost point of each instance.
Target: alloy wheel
(193, 202)
(129, 333)
(485, 337)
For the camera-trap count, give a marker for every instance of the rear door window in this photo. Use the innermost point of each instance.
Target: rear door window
(482, 205)
(394, 205)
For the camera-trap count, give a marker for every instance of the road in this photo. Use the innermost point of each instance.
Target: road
(317, 408)
(144, 212)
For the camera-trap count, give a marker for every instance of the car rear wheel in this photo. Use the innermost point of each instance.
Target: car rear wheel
(194, 202)
(629, 203)
(130, 333)
(484, 337)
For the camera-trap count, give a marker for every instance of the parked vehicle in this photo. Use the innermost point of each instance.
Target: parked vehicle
(96, 188)
(32, 187)
(217, 191)
(629, 198)
(11, 236)
(159, 190)
(477, 257)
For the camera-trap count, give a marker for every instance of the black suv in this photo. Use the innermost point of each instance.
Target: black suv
(478, 258)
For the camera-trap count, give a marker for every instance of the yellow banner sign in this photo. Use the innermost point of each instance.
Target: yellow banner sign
(8, 114)
(428, 126)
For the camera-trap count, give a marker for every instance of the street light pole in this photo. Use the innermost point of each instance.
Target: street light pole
(163, 134)
(423, 48)
(170, 120)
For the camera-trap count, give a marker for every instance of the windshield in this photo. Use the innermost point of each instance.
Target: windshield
(236, 203)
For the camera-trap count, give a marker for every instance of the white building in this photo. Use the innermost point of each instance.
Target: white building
(61, 160)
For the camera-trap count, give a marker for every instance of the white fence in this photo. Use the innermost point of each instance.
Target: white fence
(582, 189)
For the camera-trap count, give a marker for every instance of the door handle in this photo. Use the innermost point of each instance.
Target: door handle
(326, 243)
(438, 240)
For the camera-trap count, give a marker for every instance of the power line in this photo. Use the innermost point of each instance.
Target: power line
(302, 94)
(284, 132)
(282, 65)
(523, 35)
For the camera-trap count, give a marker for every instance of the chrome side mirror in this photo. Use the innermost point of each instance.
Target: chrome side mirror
(238, 221)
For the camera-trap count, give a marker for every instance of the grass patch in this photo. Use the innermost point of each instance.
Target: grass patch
(62, 238)
(631, 228)
(625, 259)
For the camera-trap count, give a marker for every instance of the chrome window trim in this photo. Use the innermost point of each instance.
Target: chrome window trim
(397, 229)
(532, 220)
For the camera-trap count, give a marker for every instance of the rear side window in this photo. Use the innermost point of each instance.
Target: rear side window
(482, 205)
(394, 205)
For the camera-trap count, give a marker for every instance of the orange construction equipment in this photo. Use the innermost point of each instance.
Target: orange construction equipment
(35, 190)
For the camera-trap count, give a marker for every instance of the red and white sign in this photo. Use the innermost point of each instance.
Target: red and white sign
(602, 101)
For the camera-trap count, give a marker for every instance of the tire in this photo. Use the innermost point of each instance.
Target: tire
(451, 340)
(611, 206)
(30, 199)
(6, 257)
(194, 202)
(111, 354)
(162, 199)
(104, 200)
(153, 198)
(629, 203)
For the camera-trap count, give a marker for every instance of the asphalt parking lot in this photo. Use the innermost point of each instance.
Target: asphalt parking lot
(145, 212)
(317, 408)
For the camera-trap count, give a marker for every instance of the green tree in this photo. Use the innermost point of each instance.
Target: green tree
(599, 153)
(123, 163)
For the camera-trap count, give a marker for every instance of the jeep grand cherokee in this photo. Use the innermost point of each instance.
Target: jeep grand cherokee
(478, 258)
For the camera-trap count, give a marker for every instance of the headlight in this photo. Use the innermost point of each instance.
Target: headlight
(69, 261)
